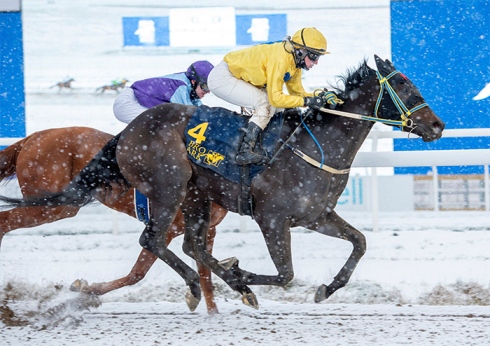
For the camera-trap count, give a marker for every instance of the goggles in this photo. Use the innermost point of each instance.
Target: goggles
(312, 55)
(204, 86)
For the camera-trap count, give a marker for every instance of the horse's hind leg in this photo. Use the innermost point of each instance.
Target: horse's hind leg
(143, 264)
(333, 225)
(153, 242)
(197, 214)
(146, 259)
(27, 217)
(205, 275)
(141, 267)
(153, 239)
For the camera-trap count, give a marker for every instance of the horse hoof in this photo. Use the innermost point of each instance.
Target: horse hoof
(250, 299)
(78, 285)
(228, 263)
(192, 302)
(321, 294)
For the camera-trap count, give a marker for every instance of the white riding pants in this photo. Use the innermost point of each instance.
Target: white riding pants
(238, 92)
(126, 106)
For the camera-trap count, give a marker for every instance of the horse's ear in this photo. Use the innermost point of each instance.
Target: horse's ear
(390, 64)
(383, 67)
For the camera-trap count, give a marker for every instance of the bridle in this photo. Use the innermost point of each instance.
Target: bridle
(385, 85)
(402, 109)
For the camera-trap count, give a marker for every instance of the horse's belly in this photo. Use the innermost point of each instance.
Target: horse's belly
(218, 189)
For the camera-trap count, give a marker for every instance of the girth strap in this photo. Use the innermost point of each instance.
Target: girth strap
(317, 164)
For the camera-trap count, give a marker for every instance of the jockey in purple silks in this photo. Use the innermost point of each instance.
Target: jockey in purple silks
(187, 88)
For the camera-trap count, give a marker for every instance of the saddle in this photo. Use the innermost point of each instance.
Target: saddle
(213, 139)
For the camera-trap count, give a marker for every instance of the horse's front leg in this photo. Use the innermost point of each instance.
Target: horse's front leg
(277, 237)
(333, 225)
(196, 211)
(278, 241)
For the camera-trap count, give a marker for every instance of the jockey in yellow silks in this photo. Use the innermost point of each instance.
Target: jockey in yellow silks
(255, 77)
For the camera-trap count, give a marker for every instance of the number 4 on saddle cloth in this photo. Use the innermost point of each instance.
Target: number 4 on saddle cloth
(213, 138)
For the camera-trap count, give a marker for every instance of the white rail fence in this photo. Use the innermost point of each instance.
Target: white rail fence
(432, 158)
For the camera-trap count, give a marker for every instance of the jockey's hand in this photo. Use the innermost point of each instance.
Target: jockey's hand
(315, 102)
(330, 98)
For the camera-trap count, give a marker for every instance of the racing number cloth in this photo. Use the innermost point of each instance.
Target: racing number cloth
(213, 138)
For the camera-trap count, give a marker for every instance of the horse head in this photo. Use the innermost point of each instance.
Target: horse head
(399, 98)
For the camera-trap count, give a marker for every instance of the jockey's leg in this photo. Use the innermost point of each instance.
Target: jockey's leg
(236, 91)
(126, 107)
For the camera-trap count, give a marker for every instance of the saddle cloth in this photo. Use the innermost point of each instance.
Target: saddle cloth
(142, 207)
(213, 138)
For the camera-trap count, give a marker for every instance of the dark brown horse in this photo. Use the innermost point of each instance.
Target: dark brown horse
(47, 161)
(291, 192)
(112, 86)
(64, 84)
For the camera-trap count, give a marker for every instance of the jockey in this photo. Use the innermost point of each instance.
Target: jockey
(187, 88)
(254, 78)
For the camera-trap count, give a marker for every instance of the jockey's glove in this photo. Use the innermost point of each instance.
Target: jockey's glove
(322, 99)
(315, 102)
(330, 98)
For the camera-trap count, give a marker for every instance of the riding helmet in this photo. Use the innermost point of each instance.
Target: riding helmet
(308, 42)
(199, 71)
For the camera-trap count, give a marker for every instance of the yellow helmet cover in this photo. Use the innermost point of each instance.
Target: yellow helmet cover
(310, 38)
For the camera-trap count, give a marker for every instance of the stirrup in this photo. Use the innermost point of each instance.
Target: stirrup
(253, 158)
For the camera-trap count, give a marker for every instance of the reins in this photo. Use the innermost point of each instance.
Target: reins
(384, 85)
(302, 155)
(402, 109)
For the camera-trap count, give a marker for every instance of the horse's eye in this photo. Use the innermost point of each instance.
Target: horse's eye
(404, 88)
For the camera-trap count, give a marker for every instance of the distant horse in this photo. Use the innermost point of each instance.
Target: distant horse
(299, 188)
(47, 161)
(63, 84)
(113, 86)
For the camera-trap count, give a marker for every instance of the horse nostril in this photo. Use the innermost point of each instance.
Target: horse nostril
(438, 125)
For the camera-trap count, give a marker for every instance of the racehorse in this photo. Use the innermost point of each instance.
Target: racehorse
(299, 187)
(47, 161)
(114, 86)
(63, 84)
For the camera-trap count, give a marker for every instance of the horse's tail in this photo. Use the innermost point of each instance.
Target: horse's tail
(99, 174)
(8, 159)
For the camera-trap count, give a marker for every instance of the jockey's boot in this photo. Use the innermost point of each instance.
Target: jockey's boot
(246, 154)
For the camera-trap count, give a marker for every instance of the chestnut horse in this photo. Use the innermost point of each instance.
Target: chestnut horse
(299, 188)
(47, 161)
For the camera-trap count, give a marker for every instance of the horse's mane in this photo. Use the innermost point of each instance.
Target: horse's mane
(352, 79)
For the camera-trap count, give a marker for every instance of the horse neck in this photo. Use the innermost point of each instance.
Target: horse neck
(340, 138)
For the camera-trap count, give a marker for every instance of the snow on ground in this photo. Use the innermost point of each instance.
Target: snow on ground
(423, 281)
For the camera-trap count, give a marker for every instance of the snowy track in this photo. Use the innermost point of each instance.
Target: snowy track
(419, 283)
(274, 324)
